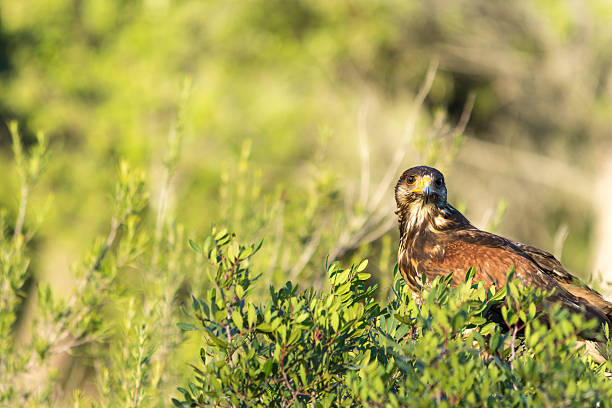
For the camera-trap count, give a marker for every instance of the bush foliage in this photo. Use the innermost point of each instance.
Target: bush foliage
(343, 345)
(340, 347)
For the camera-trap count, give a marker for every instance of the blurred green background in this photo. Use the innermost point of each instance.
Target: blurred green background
(103, 79)
(291, 114)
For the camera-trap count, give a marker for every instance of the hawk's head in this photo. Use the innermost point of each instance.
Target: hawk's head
(420, 186)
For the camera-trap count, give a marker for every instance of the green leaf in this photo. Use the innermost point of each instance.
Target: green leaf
(335, 321)
(251, 315)
(403, 319)
(494, 341)
(532, 310)
(295, 335)
(301, 317)
(246, 252)
(186, 326)
(257, 246)
(265, 327)
(303, 375)
(221, 234)
(239, 291)
(470, 274)
(232, 251)
(196, 304)
(478, 320)
(195, 246)
(342, 277)
(268, 367)
(362, 265)
(237, 319)
(488, 329)
(207, 244)
(343, 288)
(275, 323)
(363, 276)
(216, 340)
(282, 332)
(179, 404)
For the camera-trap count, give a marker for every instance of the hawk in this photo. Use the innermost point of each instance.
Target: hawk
(436, 239)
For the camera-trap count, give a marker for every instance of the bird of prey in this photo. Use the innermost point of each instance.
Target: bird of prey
(436, 239)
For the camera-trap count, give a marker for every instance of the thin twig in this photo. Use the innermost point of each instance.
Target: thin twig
(23, 204)
(116, 223)
(378, 232)
(229, 337)
(466, 113)
(400, 153)
(161, 215)
(307, 253)
(513, 347)
(357, 224)
(282, 370)
(138, 380)
(110, 239)
(559, 240)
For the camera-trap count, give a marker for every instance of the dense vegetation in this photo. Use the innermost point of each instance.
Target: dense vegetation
(339, 346)
(128, 128)
(342, 348)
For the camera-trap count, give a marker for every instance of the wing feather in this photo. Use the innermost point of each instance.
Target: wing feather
(492, 256)
(551, 266)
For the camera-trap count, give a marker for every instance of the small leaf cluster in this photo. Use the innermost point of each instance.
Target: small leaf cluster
(464, 346)
(293, 349)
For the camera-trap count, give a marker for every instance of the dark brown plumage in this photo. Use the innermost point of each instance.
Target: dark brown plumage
(436, 239)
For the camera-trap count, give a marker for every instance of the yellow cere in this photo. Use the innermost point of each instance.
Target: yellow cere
(421, 183)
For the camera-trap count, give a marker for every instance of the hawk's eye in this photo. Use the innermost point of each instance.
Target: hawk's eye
(410, 179)
(439, 182)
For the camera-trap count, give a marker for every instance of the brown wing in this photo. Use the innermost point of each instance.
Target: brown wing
(492, 256)
(553, 268)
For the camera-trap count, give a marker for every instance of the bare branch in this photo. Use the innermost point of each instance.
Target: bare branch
(110, 239)
(308, 252)
(466, 113)
(400, 153)
(382, 229)
(560, 237)
(373, 223)
(23, 204)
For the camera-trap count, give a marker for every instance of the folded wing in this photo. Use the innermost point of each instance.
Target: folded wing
(492, 256)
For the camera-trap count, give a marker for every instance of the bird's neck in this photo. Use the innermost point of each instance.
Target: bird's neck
(419, 221)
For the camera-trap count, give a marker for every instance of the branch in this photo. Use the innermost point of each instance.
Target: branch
(466, 113)
(23, 204)
(307, 253)
(400, 153)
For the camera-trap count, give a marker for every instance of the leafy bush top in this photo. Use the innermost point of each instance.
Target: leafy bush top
(342, 348)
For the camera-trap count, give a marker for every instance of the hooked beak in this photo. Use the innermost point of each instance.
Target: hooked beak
(427, 191)
(424, 187)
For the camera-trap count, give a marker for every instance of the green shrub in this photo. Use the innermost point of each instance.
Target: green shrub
(344, 345)
(340, 347)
